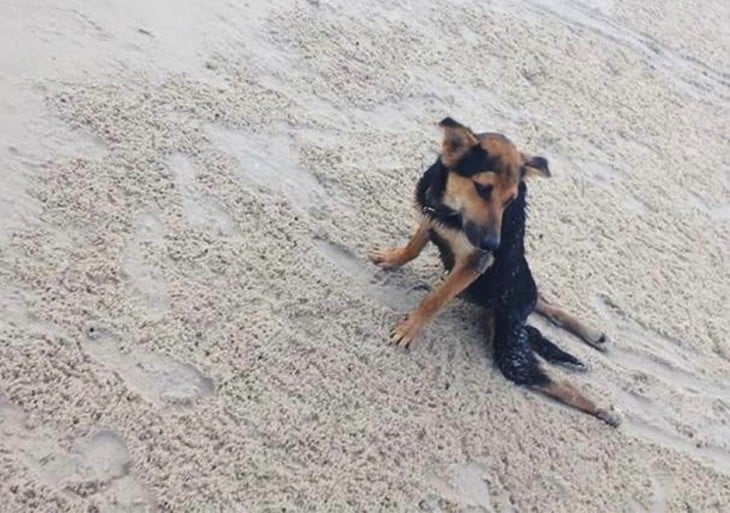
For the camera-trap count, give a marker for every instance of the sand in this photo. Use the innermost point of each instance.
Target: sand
(188, 191)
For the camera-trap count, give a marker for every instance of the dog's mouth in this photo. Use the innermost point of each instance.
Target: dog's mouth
(473, 233)
(480, 237)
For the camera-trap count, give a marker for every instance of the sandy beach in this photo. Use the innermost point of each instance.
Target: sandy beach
(188, 193)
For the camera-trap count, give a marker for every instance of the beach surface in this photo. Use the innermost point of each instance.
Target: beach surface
(188, 192)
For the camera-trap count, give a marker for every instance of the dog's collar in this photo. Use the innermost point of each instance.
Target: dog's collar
(439, 212)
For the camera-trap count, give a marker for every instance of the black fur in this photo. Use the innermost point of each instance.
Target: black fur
(551, 352)
(450, 123)
(476, 161)
(429, 191)
(506, 288)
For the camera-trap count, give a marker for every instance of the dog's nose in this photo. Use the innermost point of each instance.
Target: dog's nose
(489, 243)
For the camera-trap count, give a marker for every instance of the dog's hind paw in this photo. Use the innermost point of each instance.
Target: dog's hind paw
(577, 366)
(596, 339)
(609, 417)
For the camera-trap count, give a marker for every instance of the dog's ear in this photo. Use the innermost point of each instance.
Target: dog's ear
(458, 140)
(534, 166)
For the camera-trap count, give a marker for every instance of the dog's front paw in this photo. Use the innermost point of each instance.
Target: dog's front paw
(405, 334)
(387, 258)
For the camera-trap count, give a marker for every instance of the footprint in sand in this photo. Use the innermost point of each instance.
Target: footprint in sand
(460, 488)
(145, 282)
(661, 485)
(198, 209)
(159, 379)
(662, 387)
(376, 284)
(97, 467)
(14, 312)
(608, 178)
(271, 161)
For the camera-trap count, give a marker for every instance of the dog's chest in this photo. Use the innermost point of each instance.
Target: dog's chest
(452, 244)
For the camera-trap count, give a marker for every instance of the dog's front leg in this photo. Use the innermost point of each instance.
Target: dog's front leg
(461, 276)
(396, 257)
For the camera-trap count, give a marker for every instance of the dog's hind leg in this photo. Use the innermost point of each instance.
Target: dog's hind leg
(569, 323)
(396, 257)
(568, 394)
(551, 352)
(515, 359)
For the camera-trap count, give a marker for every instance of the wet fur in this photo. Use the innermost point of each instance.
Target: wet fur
(454, 218)
(506, 288)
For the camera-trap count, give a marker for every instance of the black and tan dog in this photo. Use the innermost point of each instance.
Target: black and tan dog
(473, 208)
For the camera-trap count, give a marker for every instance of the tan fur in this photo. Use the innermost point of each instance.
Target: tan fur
(511, 159)
(460, 195)
(461, 276)
(457, 141)
(485, 210)
(531, 170)
(462, 249)
(396, 257)
(469, 263)
(568, 394)
(571, 324)
(460, 246)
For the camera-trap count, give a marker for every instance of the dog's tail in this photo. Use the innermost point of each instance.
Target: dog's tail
(551, 352)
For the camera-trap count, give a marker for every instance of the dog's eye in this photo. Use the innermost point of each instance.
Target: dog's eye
(485, 191)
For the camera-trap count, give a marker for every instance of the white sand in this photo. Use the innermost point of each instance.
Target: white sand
(187, 194)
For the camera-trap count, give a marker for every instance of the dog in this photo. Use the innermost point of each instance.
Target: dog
(473, 207)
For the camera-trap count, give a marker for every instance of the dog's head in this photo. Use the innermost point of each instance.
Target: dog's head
(483, 175)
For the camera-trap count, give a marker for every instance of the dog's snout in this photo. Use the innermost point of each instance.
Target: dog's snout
(484, 239)
(489, 243)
